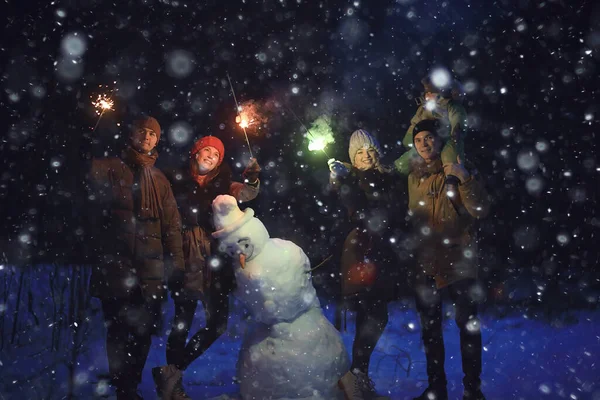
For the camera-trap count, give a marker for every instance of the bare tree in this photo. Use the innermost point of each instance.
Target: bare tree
(17, 305)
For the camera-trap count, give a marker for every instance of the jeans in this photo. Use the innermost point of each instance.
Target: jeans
(216, 309)
(130, 323)
(429, 306)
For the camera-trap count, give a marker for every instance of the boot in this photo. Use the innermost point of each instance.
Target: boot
(166, 378)
(473, 395)
(128, 394)
(473, 391)
(356, 385)
(434, 393)
(179, 392)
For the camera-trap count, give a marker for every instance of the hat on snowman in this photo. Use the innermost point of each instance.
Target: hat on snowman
(227, 216)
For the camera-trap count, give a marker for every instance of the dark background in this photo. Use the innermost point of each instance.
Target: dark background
(359, 62)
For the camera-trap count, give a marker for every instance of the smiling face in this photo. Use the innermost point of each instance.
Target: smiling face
(366, 158)
(144, 140)
(430, 96)
(428, 145)
(207, 159)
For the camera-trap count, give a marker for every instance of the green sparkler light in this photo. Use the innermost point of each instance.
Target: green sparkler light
(320, 134)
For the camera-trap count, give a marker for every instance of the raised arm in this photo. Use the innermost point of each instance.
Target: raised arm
(249, 189)
(475, 198)
(472, 192)
(244, 191)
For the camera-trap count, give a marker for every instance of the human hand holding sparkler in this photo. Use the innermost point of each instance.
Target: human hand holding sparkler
(252, 171)
(337, 168)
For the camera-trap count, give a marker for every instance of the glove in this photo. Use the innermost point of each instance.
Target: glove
(456, 173)
(337, 168)
(176, 281)
(452, 180)
(251, 172)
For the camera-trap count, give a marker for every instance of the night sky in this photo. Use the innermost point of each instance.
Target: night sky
(530, 70)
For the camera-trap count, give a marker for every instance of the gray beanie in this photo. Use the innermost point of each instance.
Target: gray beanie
(362, 139)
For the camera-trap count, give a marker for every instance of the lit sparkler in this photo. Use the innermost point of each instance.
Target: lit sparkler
(102, 105)
(243, 122)
(249, 115)
(319, 141)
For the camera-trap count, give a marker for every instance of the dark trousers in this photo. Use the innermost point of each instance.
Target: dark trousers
(429, 306)
(130, 323)
(371, 320)
(216, 310)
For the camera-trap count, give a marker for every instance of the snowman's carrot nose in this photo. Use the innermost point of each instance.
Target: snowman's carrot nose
(243, 260)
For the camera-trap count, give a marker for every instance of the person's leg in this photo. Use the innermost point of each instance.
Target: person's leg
(404, 164)
(429, 307)
(168, 378)
(371, 320)
(451, 151)
(144, 321)
(180, 329)
(470, 335)
(216, 308)
(117, 337)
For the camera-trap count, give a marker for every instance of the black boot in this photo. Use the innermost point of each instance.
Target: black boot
(128, 394)
(470, 348)
(473, 394)
(437, 392)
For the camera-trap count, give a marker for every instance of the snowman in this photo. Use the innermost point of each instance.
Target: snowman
(290, 350)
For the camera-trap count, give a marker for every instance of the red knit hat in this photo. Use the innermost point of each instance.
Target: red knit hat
(209, 141)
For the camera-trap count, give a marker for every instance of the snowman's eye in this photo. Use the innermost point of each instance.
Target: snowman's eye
(246, 246)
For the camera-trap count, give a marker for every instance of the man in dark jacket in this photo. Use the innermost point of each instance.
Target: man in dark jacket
(446, 258)
(137, 227)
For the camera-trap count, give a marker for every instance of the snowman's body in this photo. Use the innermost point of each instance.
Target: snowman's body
(276, 284)
(290, 350)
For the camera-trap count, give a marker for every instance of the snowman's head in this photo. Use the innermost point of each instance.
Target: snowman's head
(240, 234)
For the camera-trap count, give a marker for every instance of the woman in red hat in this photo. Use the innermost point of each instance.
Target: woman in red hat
(207, 277)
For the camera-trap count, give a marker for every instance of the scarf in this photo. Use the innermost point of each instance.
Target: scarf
(422, 170)
(150, 205)
(203, 180)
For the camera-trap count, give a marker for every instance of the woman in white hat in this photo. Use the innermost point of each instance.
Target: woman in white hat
(371, 269)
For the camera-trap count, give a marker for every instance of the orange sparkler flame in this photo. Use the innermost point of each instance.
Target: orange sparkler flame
(249, 115)
(242, 121)
(103, 104)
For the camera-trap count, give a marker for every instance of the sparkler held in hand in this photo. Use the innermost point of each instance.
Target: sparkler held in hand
(239, 119)
(317, 141)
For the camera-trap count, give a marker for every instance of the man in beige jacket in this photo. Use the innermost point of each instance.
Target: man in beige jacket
(446, 258)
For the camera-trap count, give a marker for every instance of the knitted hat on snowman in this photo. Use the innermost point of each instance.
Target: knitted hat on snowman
(227, 216)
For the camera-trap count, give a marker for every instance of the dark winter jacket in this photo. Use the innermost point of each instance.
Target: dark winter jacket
(447, 246)
(195, 206)
(130, 250)
(376, 204)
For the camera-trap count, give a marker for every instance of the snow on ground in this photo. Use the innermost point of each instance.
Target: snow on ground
(522, 359)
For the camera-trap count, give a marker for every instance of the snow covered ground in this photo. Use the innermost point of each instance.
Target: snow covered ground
(523, 358)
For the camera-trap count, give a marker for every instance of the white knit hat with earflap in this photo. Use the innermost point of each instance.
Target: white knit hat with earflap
(362, 139)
